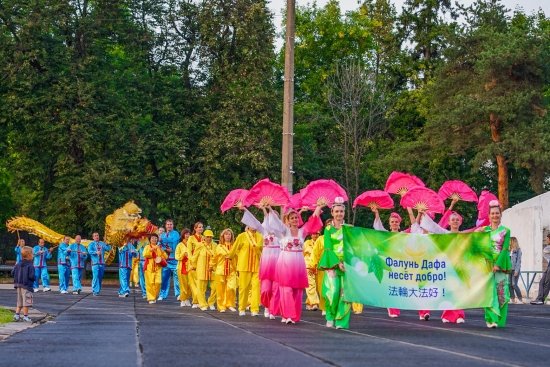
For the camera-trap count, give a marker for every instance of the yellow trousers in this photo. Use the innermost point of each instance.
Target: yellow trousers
(357, 308)
(185, 290)
(203, 285)
(225, 290)
(320, 275)
(152, 282)
(249, 282)
(192, 280)
(134, 274)
(311, 290)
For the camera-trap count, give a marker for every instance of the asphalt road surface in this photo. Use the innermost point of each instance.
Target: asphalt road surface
(110, 331)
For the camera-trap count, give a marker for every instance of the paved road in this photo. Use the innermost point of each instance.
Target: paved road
(112, 331)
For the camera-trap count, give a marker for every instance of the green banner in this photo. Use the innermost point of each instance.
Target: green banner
(418, 271)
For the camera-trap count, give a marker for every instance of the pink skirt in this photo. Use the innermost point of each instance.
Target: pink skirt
(291, 270)
(268, 262)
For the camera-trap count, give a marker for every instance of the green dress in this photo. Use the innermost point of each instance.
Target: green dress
(337, 310)
(500, 238)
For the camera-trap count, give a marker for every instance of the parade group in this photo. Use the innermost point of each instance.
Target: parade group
(272, 261)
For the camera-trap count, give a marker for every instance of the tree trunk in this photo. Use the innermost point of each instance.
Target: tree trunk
(502, 164)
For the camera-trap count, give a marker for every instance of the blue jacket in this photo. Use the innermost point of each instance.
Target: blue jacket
(125, 255)
(62, 255)
(170, 239)
(516, 260)
(17, 254)
(98, 259)
(23, 275)
(40, 259)
(77, 255)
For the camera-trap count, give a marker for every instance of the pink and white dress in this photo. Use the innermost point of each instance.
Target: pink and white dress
(291, 273)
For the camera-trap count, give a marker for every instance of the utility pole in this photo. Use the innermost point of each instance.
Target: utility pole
(288, 99)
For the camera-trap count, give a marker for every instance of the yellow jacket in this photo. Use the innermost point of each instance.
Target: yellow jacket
(150, 264)
(202, 260)
(248, 249)
(192, 243)
(316, 253)
(223, 265)
(182, 257)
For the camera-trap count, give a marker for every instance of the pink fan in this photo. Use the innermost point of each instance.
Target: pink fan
(422, 198)
(456, 189)
(321, 192)
(374, 198)
(233, 198)
(483, 205)
(265, 193)
(295, 202)
(400, 183)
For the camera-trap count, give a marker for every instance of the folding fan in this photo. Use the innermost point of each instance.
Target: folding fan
(321, 192)
(422, 198)
(400, 183)
(233, 198)
(295, 202)
(267, 193)
(483, 206)
(374, 198)
(456, 189)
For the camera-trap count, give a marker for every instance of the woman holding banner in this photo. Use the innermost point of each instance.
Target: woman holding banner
(495, 316)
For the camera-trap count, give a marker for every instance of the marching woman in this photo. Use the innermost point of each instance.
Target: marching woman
(193, 242)
(201, 261)
(495, 316)
(154, 255)
(224, 272)
(455, 221)
(291, 272)
(182, 257)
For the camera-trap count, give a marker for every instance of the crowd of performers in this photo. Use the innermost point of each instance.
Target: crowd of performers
(270, 264)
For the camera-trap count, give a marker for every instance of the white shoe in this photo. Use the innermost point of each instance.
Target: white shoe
(253, 314)
(329, 324)
(339, 327)
(160, 299)
(266, 312)
(151, 302)
(426, 317)
(195, 305)
(520, 302)
(63, 292)
(187, 303)
(47, 289)
(492, 325)
(222, 310)
(271, 317)
(242, 313)
(283, 320)
(289, 321)
(445, 321)
(232, 309)
(35, 290)
(460, 320)
(324, 313)
(212, 307)
(204, 308)
(121, 295)
(182, 304)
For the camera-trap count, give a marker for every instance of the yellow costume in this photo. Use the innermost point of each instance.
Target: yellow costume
(202, 262)
(183, 269)
(311, 290)
(153, 271)
(192, 243)
(134, 274)
(314, 259)
(226, 277)
(248, 249)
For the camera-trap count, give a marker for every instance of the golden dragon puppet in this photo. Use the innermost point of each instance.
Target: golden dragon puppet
(124, 224)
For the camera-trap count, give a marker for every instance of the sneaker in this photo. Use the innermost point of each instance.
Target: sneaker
(232, 309)
(26, 319)
(266, 312)
(271, 317)
(460, 320)
(187, 303)
(283, 320)
(151, 302)
(35, 290)
(47, 289)
(308, 308)
(122, 295)
(195, 305)
(75, 292)
(492, 325)
(329, 324)
(212, 307)
(16, 317)
(339, 327)
(242, 313)
(520, 302)
(222, 310)
(160, 299)
(445, 321)
(324, 313)
(204, 308)
(537, 302)
(63, 292)
(144, 296)
(182, 304)
(425, 317)
(254, 314)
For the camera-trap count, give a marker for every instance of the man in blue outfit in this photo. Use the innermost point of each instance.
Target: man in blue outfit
(63, 265)
(125, 255)
(97, 250)
(77, 255)
(169, 241)
(40, 256)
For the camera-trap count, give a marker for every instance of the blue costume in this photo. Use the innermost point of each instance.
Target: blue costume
(141, 273)
(63, 267)
(77, 256)
(41, 255)
(170, 240)
(125, 255)
(98, 263)
(17, 254)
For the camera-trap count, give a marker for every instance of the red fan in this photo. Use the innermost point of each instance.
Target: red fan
(422, 198)
(400, 183)
(267, 193)
(374, 198)
(322, 192)
(483, 204)
(233, 198)
(456, 189)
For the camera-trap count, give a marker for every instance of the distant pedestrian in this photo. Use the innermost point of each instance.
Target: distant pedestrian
(544, 283)
(23, 280)
(515, 255)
